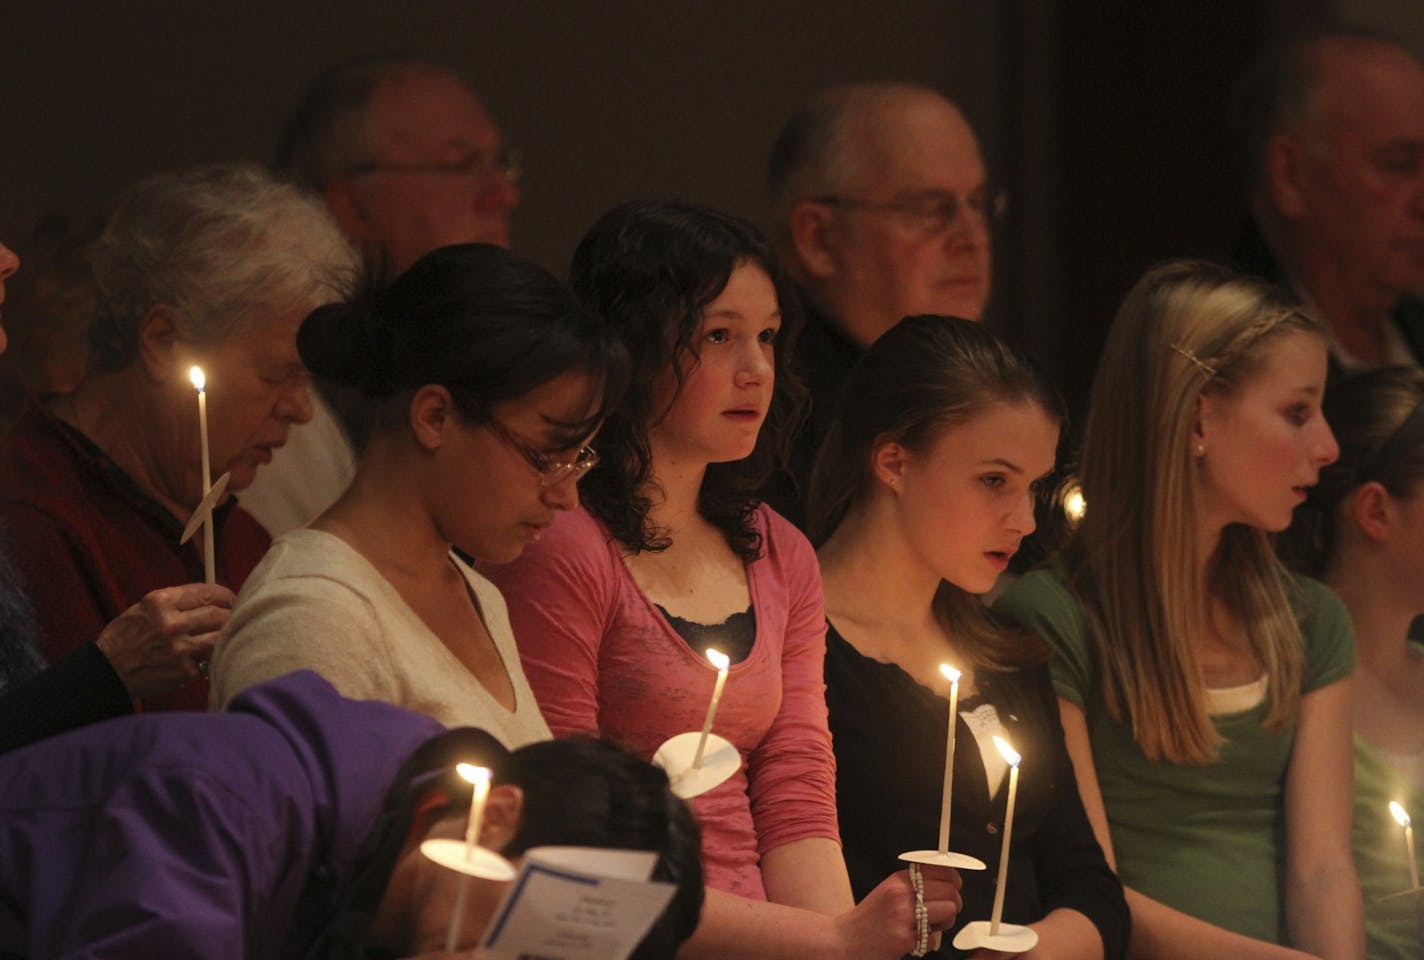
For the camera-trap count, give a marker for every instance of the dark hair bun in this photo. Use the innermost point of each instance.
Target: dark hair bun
(347, 344)
(473, 318)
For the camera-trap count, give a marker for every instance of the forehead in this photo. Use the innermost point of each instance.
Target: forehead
(422, 110)
(749, 293)
(1020, 432)
(912, 144)
(269, 334)
(1373, 92)
(572, 397)
(1289, 362)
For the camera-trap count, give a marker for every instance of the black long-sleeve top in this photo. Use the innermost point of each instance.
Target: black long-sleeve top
(890, 732)
(80, 689)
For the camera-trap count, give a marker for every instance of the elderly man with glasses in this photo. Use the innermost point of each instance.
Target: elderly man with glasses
(1330, 141)
(407, 159)
(881, 210)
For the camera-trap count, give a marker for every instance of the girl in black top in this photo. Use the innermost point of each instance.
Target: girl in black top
(921, 494)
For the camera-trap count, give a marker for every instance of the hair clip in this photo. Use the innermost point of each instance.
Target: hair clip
(1207, 370)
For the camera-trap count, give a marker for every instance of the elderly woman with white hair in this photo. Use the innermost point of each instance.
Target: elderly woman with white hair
(214, 267)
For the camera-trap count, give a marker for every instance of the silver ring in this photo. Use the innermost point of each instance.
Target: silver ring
(202, 668)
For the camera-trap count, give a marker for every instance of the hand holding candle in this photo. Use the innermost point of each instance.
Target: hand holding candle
(195, 374)
(1401, 817)
(948, 793)
(719, 660)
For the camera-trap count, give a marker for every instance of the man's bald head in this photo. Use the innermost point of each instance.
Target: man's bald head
(881, 205)
(406, 156)
(1330, 131)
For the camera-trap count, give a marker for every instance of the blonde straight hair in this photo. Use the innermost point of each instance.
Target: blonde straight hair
(1186, 330)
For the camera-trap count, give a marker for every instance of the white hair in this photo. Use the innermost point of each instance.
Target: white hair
(216, 244)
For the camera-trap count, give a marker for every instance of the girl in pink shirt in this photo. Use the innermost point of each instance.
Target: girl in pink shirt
(616, 603)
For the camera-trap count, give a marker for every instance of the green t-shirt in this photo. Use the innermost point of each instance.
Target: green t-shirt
(1207, 840)
(1392, 926)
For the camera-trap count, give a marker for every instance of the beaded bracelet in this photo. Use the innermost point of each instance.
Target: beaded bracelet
(922, 915)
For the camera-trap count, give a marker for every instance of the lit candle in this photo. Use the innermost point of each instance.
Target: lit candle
(209, 560)
(1011, 755)
(719, 660)
(480, 777)
(953, 676)
(1402, 818)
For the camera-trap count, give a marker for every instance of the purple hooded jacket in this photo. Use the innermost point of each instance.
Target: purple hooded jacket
(195, 835)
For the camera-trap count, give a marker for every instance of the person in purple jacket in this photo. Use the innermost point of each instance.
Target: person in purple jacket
(273, 830)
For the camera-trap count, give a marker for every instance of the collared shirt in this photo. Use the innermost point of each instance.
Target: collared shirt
(1403, 336)
(90, 542)
(1397, 351)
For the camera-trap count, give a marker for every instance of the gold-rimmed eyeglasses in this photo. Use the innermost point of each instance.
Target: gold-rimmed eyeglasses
(508, 161)
(932, 213)
(551, 471)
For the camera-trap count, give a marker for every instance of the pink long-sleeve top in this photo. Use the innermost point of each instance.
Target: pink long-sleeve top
(602, 659)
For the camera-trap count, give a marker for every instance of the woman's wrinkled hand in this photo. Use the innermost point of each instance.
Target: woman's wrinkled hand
(163, 642)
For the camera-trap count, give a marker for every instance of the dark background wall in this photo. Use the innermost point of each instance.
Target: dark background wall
(608, 100)
(1103, 118)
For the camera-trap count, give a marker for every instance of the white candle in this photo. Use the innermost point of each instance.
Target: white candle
(719, 660)
(1011, 755)
(480, 777)
(209, 559)
(948, 792)
(1402, 818)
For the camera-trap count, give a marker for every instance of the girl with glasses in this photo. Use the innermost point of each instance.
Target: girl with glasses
(476, 383)
(1204, 692)
(673, 553)
(1361, 530)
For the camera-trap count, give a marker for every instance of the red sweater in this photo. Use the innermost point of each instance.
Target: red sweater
(602, 658)
(90, 543)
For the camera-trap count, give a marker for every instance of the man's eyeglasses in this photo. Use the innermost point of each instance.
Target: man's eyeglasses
(933, 213)
(551, 472)
(507, 161)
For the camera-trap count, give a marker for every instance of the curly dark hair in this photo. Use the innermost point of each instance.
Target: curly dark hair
(650, 269)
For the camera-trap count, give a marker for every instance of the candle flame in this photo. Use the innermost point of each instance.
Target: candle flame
(718, 659)
(1010, 754)
(1399, 814)
(950, 674)
(472, 773)
(1073, 503)
(195, 374)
